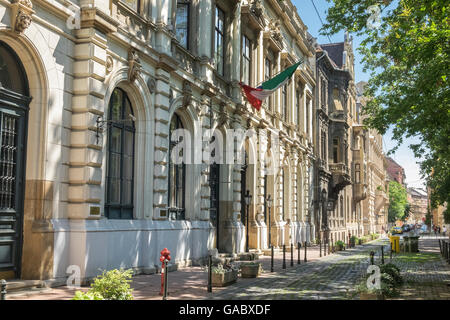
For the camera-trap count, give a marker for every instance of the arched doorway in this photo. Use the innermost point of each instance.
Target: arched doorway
(14, 106)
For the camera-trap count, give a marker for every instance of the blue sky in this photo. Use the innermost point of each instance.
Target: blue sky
(403, 156)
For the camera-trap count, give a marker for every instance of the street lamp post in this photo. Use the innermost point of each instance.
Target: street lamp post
(248, 200)
(269, 205)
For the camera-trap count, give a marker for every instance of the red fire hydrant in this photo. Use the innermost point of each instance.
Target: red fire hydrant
(165, 256)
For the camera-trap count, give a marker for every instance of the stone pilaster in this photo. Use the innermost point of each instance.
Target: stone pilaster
(161, 162)
(236, 51)
(86, 153)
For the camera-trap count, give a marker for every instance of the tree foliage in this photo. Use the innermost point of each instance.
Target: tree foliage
(408, 54)
(398, 201)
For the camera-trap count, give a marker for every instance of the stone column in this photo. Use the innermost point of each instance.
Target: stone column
(163, 41)
(205, 39)
(236, 49)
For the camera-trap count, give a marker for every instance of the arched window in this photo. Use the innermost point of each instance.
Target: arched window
(120, 158)
(177, 174)
(14, 104)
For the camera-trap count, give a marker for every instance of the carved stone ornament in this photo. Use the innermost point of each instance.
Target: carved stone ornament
(21, 15)
(275, 30)
(134, 65)
(151, 84)
(109, 64)
(187, 93)
(257, 8)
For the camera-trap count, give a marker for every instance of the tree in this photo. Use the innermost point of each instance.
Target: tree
(398, 201)
(407, 52)
(407, 212)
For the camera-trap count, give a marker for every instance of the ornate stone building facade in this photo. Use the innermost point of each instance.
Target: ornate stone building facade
(376, 203)
(92, 98)
(336, 103)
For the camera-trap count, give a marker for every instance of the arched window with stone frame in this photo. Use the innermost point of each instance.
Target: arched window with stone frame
(177, 172)
(120, 157)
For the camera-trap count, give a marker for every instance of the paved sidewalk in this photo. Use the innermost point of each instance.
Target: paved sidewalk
(191, 283)
(329, 277)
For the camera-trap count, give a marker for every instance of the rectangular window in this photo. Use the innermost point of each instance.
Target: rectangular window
(357, 173)
(335, 150)
(246, 60)
(324, 146)
(267, 76)
(182, 23)
(284, 103)
(219, 31)
(308, 102)
(323, 95)
(299, 107)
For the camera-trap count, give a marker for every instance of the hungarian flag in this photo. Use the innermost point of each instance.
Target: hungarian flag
(257, 95)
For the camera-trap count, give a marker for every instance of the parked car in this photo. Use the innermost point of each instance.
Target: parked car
(396, 230)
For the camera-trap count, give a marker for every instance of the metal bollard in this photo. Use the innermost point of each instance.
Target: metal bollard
(325, 247)
(332, 244)
(271, 258)
(165, 280)
(320, 247)
(299, 245)
(382, 255)
(390, 254)
(372, 254)
(3, 290)
(305, 251)
(292, 255)
(448, 252)
(284, 256)
(440, 246)
(210, 273)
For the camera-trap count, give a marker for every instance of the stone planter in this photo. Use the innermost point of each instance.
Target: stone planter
(224, 279)
(250, 271)
(413, 241)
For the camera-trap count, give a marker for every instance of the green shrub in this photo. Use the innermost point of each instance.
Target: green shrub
(393, 271)
(110, 285)
(79, 295)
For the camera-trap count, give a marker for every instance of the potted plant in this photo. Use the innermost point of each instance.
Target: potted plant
(250, 269)
(223, 276)
(339, 245)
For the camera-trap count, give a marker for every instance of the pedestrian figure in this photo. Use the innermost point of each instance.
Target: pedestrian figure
(435, 230)
(444, 230)
(439, 230)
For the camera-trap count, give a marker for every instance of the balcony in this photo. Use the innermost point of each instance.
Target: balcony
(340, 175)
(187, 61)
(359, 191)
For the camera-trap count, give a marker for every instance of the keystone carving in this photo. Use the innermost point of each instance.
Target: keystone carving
(187, 93)
(109, 64)
(151, 84)
(134, 65)
(21, 15)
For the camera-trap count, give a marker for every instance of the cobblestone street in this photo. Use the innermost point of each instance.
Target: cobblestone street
(333, 276)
